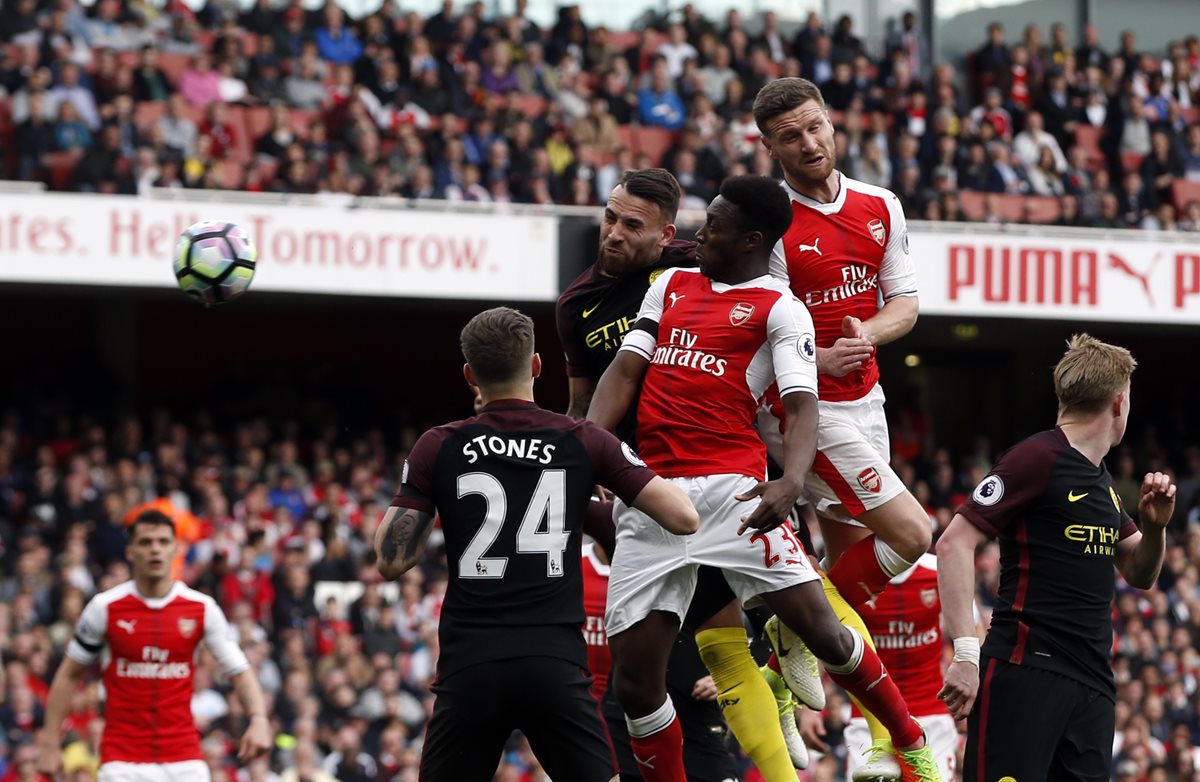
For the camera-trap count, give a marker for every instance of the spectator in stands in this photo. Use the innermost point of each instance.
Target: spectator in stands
(975, 170)
(1069, 214)
(1091, 54)
(819, 65)
(71, 133)
(199, 84)
(150, 81)
(1134, 128)
(337, 43)
(1191, 217)
(179, 132)
(33, 140)
(304, 89)
(1004, 177)
(69, 89)
(1044, 178)
(1077, 178)
(104, 168)
(992, 112)
(1161, 167)
(1136, 202)
(659, 104)
(676, 50)
(1028, 143)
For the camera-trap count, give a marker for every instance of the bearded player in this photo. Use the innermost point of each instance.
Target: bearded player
(145, 633)
(846, 258)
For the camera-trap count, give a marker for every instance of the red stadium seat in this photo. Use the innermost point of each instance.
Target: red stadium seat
(148, 112)
(623, 39)
(653, 142)
(971, 204)
(1089, 137)
(625, 137)
(258, 122)
(61, 167)
(1042, 209)
(1183, 192)
(1011, 207)
(1191, 114)
(302, 120)
(532, 105)
(1131, 161)
(173, 65)
(243, 147)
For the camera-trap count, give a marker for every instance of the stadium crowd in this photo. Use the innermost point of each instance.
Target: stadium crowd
(269, 511)
(1047, 127)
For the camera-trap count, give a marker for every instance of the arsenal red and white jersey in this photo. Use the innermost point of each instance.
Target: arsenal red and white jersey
(905, 623)
(714, 349)
(844, 258)
(147, 649)
(595, 598)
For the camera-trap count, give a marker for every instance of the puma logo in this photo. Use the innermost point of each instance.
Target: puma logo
(1120, 264)
(675, 297)
(126, 625)
(648, 762)
(814, 247)
(871, 686)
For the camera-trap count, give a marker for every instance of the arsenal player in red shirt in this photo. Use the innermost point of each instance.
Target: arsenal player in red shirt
(144, 633)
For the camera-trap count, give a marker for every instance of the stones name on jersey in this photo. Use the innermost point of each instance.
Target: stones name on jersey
(533, 449)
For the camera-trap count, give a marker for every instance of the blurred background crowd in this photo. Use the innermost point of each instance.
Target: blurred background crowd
(275, 520)
(1037, 125)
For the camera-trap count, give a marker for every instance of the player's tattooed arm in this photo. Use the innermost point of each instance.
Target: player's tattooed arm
(400, 540)
(581, 390)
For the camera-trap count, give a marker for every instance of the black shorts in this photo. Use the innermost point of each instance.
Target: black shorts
(1030, 724)
(546, 698)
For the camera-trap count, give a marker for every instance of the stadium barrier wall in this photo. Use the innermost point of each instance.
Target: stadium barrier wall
(401, 248)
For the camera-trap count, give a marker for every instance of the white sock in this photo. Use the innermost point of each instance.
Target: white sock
(892, 563)
(856, 656)
(640, 727)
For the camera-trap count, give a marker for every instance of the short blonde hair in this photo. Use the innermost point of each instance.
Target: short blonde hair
(1090, 374)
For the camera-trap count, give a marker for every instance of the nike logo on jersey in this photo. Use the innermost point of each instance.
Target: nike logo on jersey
(589, 312)
(814, 247)
(675, 297)
(1073, 497)
(730, 689)
(127, 625)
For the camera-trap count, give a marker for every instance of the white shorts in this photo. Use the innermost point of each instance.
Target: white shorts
(653, 570)
(940, 730)
(851, 473)
(183, 771)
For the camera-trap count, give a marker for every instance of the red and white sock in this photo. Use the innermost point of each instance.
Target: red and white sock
(657, 743)
(863, 571)
(864, 676)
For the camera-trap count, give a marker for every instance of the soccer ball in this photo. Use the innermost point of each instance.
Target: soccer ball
(214, 261)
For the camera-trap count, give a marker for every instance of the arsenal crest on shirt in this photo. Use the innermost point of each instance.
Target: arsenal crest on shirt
(187, 627)
(877, 231)
(869, 479)
(740, 313)
(928, 597)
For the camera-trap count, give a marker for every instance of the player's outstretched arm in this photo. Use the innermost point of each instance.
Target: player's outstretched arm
(400, 540)
(257, 739)
(58, 703)
(799, 448)
(1139, 557)
(956, 586)
(667, 504)
(617, 389)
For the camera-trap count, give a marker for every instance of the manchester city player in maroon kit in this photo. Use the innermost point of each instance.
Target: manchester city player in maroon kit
(512, 486)
(1046, 696)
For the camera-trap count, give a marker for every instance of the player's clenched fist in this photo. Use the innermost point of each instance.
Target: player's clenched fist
(958, 693)
(1157, 503)
(256, 740)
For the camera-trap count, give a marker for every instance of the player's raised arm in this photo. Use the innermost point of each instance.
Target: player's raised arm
(1139, 555)
(619, 385)
(956, 586)
(400, 540)
(617, 389)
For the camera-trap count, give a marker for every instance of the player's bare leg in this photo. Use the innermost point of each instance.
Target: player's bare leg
(639, 676)
(861, 562)
(745, 698)
(853, 664)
